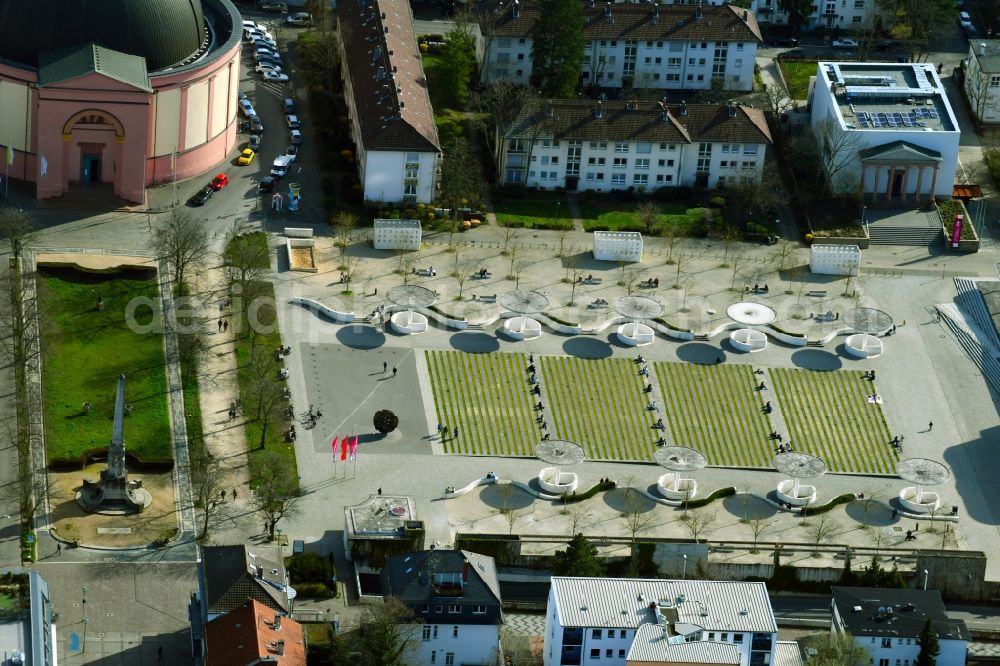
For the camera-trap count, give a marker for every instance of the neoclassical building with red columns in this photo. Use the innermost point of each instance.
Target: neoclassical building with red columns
(124, 93)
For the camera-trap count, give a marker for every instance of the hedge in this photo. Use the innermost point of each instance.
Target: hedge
(781, 330)
(664, 322)
(823, 508)
(560, 321)
(579, 497)
(705, 501)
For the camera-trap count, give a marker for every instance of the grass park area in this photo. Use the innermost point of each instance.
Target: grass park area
(600, 404)
(828, 415)
(487, 397)
(533, 211)
(797, 74)
(85, 349)
(609, 215)
(715, 409)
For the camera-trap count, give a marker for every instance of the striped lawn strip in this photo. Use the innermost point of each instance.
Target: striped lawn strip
(486, 397)
(715, 410)
(827, 415)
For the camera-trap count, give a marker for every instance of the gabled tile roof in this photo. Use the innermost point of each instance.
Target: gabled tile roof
(249, 633)
(65, 64)
(895, 613)
(586, 120)
(387, 77)
(231, 577)
(718, 23)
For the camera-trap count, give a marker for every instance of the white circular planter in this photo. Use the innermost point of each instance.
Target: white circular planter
(635, 334)
(554, 482)
(522, 328)
(408, 323)
(860, 345)
(748, 340)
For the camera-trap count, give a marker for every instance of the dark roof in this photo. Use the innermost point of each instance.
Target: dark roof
(164, 32)
(900, 151)
(231, 577)
(57, 66)
(387, 75)
(411, 579)
(718, 23)
(643, 121)
(987, 54)
(895, 613)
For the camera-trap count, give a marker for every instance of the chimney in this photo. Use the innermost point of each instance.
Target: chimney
(260, 572)
(697, 11)
(744, 16)
(607, 11)
(515, 9)
(684, 108)
(277, 622)
(599, 111)
(732, 108)
(656, 13)
(465, 567)
(982, 48)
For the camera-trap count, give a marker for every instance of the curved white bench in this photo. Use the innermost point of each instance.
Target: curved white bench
(408, 322)
(684, 490)
(806, 494)
(748, 340)
(316, 306)
(857, 346)
(925, 502)
(522, 328)
(635, 334)
(558, 483)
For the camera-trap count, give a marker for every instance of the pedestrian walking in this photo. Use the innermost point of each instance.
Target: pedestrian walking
(930, 426)
(234, 494)
(58, 549)
(225, 325)
(761, 387)
(455, 432)
(222, 494)
(159, 653)
(220, 324)
(531, 358)
(385, 367)
(895, 512)
(394, 371)
(380, 490)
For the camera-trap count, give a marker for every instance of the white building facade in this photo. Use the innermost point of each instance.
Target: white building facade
(829, 14)
(643, 146)
(982, 79)
(886, 130)
(593, 621)
(633, 46)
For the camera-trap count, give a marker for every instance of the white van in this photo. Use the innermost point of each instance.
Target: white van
(301, 18)
(280, 166)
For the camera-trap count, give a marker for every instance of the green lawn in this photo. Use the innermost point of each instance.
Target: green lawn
(84, 352)
(797, 74)
(599, 405)
(828, 416)
(533, 212)
(487, 397)
(619, 216)
(715, 409)
(441, 97)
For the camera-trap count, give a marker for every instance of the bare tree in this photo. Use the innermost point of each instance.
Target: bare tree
(508, 234)
(680, 261)
(672, 232)
(275, 494)
(262, 395)
(839, 150)
(207, 482)
(458, 251)
(821, 530)
(511, 516)
(637, 517)
(698, 522)
(183, 242)
(17, 228)
(776, 102)
(513, 253)
(575, 270)
(576, 515)
(519, 269)
(561, 235)
(631, 280)
(247, 260)
(344, 223)
(758, 526)
(352, 270)
(783, 255)
(649, 216)
(737, 260)
(729, 235)
(462, 274)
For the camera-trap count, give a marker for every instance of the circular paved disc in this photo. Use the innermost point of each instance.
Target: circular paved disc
(679, 458)
(524, 301)
(922, 471)
(799, 465)
(751, 314)
(560, 452)
(412, 296)
(638, 307)
(868, 320)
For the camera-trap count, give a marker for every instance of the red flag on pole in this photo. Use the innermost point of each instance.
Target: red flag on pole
(343, 448)
(333, 445)
(354, 447)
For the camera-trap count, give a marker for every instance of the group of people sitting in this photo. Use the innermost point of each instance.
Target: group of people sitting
(652, 282)
(757, 289)
(600, 301)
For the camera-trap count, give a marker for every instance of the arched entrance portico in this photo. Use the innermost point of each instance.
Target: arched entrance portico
(92, 147)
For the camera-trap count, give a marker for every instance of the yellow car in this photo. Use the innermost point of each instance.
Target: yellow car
(246, 157)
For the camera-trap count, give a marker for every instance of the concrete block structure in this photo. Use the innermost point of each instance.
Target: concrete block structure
(618, 246)
(834, 259)
(397, 235)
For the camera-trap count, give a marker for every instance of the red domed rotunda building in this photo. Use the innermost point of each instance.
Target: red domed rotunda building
(124, 93)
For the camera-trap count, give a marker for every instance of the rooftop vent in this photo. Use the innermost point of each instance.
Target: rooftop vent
(683, 112)
(599, 111)
(584, 608)
(856, 609)
(744, 611)
(731, 106)
(982, 48)
(515, 9)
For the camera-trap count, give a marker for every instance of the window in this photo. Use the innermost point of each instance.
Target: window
(413, 158)
(711, 635)
(749, 165)
(691, 62)
(595, 653)
(642, 163)
(738, 62)
(520, 56)
(737, 638)
(690, 77)
(411, 172)
(648, 61)
(427, 632)
(449, 659)
(724, 637)
(434, 656)
(521, 41)
(515, 146)
(590, 175)
(995, 81)
(439, 608)
(739, 45)
(886, 642)
(513, 176)
(621, 634)
(617, 179)
(435, 632)
(883, 662)
(520, 72)
(503, 43)
(857, 19)
(597, 634)
(673, 62)
(721, 181)
(596, 160)
(503, 57)
(424, 608)
(555, 159)
(704, 45)
(859, 4)
(908, 641)
(701, 62)
(545, 159)
(479, 610)
(673, 77)
(621, 147)
(659, 45)
(701, 77)
(454, 631)
(609, 653)
(640, 179)
(668, 146)
(620, 162)
(750, 149)
(665, 178)
(643, 147)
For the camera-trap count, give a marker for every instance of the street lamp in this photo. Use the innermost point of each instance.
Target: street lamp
(685, 570)
(926, 576)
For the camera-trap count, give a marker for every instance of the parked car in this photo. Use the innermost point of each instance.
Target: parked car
(267, 66)
(268, 42)
(300, 18)
(293, 122)
(256, 126)
(249, 25)
(964, 19)
(275, 76)
(268, 56)
(220, 181)
(201, 196)
(243, 96)
(246, 107)
(292, 151)
(280, 165)
(844, 43)
(273, 7)
(267, 184)
(295, 136)
(246, 157)
(784, 41)
(257, 33)
(288, 104)
(253, 143)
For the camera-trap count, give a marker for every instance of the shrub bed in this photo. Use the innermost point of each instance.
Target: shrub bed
(705, 501)
(587, 494)
(823, 508)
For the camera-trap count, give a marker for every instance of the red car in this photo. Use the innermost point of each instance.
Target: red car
(220, 181)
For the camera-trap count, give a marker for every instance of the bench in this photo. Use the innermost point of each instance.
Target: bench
(425, 272)
(481, 276)
(592, 281)
(816, 292)
(597, 305)
(488, 298)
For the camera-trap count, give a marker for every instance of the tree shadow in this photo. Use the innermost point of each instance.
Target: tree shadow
(748, 507)
(587, 348)
(474, 343)
(501, 496)
(358, 336)
(628, 500)
(701, 353)
(817, 359)
(878, 515)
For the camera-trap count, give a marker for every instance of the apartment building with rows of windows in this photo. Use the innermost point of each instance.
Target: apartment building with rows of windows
(641, 46)
(619, 621)
(605, 146)
(829, 14)
(455, 594)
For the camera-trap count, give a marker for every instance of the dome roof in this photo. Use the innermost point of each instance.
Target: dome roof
(164, 32)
